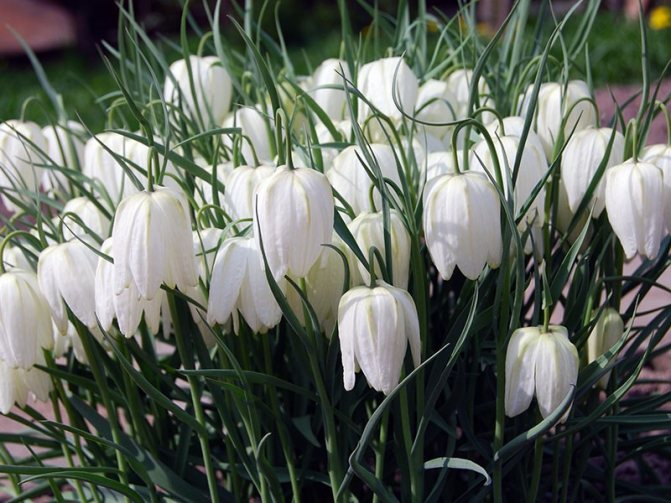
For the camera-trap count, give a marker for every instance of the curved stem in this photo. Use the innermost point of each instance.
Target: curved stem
(4, 244)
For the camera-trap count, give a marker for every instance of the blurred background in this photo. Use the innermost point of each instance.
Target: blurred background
(67, 36)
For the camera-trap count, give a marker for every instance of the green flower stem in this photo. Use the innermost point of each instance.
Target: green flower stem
(379, 451)
(406, 434)
(330, 431)
(98, 374)
(284, 438)
(538, 466)
(187, 361)
(60, 391)
(568, 453)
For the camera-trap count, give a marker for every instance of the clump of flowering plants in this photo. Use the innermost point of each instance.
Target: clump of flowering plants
(417, 273)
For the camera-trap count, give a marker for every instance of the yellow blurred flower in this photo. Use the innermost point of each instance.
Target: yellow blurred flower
(660, 18)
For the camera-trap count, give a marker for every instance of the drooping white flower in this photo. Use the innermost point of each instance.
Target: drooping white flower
(325, 137)
(580, 161)
(557, 103)
(204, 193)
(459, 84)
(533, 168)
(127, 306)
(152, 243)
(385, 83)
(65, 147)
(101, 166)
(606, 332)
(368, 231)
(22, 145)
(635, 205)
(294, 218)
(14, 257)
(257, 130)
(660, 156)
(323, 284)
(66, 275)
(544, 364)
(436, 104)
(205, 95)
(374, 328)
(25, 323)
(238, 285)
(351, 180)
(89, 214)
(514, 126)
(462, 223)
(238, 200)
(440, 163)
(328, 75)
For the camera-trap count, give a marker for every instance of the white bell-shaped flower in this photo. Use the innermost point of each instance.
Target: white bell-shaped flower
(152, 243)
(436, 104)
(514, 126)
(544, 364)
(324, 137)
(127, 306)
(328, 75)
(440, 163)
(65, 147)
(90, 215)
(459, 84)
(660, 156)
(204, 193)
(294, 218)
(323, 284)
(608, 329)
(635, 205)
(17, 384)
(350, 179)
(580, 161)
(25, 323)
(385, 83)
(368, 231)
(462, 223)
(238, 200)
(257, 130)
(239, 285)
(533, 168)
(557, 103)
(14, 257)
(374, 328)
(22, 146)
(101, 166)
(205, 94)
(66, 275)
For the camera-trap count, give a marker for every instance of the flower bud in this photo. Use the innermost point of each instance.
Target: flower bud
(25, 324)
(205, 95)
(580, 162)
(462, 223)
(374, 327)
(544, 364)
(635, 205)
(387, 83)
(294, 218)
(152, 243)
(368, 231)
(607, 331)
